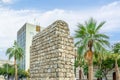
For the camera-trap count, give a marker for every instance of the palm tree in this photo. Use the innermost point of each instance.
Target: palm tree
(17, 53)
(90, 40)
(116, 56)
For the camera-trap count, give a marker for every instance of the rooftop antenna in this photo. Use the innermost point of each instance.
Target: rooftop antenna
(36, 21)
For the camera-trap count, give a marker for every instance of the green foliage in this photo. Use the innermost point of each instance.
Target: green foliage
(90, 32)
(89, 38)
(99, 58)
(116, 48)
(7, 69)
(15, 51)
(107, 64)
(104, 62)
(1, 71)
(85, 68)
(23, 74)
(79, 61)
(76, 63)
(98, 74)
(118, 62)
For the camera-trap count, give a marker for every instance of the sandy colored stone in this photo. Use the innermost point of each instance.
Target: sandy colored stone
(52, 53)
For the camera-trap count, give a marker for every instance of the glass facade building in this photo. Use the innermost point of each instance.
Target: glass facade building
(24, 39)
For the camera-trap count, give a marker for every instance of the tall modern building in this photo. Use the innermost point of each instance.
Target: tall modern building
(24, 39)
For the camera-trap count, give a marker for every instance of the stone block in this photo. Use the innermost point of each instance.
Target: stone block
(52, 53)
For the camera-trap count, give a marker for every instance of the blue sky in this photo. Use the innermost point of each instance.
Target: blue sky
(14, 13)
(52, 4)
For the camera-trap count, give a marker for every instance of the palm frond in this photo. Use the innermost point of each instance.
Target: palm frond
(90, 31)
(99, 26)
(79, 35)
(15, 51)
(98, 47)
(78, 43)
(91, 24)
(80, 50)
(104, 42)
(11, 55)
(101, 36)
(9, 50)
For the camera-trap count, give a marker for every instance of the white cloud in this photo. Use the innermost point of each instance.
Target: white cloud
(115, 5)
(6, 1)
(12, 20)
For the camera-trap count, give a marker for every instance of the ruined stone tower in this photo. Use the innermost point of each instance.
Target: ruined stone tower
(52, 53)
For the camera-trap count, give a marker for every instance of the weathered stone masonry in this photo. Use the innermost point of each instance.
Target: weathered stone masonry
(52, 53)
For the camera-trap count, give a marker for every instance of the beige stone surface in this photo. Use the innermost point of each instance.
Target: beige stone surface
(52, 53)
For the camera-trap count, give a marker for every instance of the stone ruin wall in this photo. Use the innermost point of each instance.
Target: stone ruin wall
(52, 53)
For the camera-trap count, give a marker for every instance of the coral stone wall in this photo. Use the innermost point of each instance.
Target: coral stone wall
(52, 53)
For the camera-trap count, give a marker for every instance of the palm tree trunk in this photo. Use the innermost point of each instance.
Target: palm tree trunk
(117, 71)
(89, 58)
(90, 71)
(16, 77)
